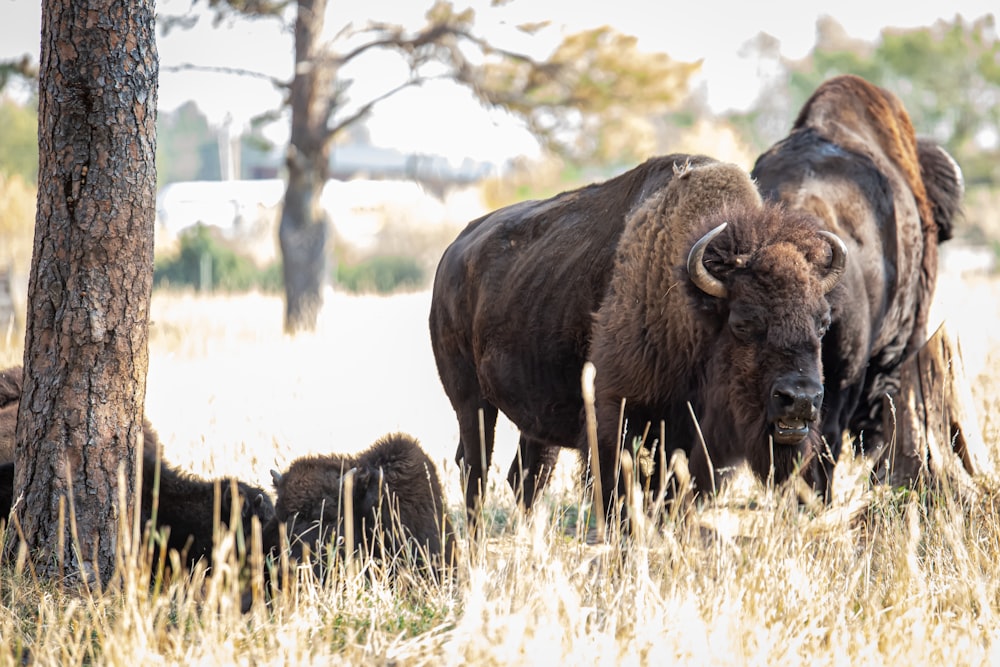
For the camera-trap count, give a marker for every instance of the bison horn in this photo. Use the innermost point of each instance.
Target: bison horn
(837, 263)
(700, 275)
(275, 476)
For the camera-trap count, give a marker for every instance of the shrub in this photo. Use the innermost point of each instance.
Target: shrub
(206, 263)
(382, 273)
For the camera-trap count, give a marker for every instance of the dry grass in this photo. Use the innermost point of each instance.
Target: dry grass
(881, 577)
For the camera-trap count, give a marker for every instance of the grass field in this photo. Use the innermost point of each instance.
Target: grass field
(880, 577)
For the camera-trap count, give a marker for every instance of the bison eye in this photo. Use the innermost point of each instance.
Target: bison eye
(822, 325)
(746, 328)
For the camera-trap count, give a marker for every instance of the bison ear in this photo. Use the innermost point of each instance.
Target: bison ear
(366, 483)
(944, 183)
(250, 506)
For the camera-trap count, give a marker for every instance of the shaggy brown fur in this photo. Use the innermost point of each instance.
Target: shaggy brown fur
(659, 342)
(186, 507)
(10, 396)
(511, 318)
(853, 161)
(398, 507)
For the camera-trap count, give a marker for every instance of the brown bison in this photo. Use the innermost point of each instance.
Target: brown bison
(398, 508)
(852, 161)
(186, 505)
(10, 396)
(680, 285)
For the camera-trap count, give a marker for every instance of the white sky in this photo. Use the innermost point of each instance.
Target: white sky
(443, 118)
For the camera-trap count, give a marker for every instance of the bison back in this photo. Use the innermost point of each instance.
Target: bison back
(514, 295)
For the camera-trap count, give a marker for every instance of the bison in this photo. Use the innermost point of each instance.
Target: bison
(185, 505)
(681, 286)
(11, 380)
(398, 508)
(852, 161)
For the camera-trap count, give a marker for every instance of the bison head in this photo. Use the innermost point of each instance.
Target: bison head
(769, 280)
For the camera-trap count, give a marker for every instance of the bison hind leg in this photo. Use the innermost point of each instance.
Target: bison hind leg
(531, 470)
(477, 426)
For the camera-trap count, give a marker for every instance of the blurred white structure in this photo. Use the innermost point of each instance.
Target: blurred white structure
(359, 209)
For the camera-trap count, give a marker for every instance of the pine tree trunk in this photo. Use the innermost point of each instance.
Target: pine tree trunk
(86, 353)
(303, 232)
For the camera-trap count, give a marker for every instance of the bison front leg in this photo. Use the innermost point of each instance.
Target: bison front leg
(477, 426)
(530, 470)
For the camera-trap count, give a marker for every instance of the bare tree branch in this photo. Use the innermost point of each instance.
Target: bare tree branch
(238, 71)
(367, 107)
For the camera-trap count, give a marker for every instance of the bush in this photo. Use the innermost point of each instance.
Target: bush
(383, 274)
(201, 250)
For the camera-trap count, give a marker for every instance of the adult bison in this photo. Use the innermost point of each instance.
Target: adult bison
(397, 514)
(852, 161)
(680, 285)
(184, 504)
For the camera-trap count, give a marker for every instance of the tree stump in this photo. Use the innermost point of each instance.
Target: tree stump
(931, 426)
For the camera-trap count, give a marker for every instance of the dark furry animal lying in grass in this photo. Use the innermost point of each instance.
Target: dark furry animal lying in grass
(186, 504)
(397, 505)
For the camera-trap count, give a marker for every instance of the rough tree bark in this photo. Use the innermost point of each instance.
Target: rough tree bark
(304, 228)
(935, 434)
(86, 353)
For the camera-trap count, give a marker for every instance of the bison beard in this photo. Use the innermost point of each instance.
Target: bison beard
(853, 161)
(185, 508)
(398, 509)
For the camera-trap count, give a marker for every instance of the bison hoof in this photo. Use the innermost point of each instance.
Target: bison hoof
(790, 431)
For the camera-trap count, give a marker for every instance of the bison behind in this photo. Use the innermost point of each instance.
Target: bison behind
(853, 162)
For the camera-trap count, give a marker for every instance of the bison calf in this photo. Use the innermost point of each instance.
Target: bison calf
(186, 504)
(398, 509)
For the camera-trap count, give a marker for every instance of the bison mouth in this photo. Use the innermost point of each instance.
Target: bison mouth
(789, 431)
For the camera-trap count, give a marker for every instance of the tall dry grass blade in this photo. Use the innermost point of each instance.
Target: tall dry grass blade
(587, 383)
(483, 468)
(123, 550)
(22, 559)
(61, 541)
(892, 439)
(704, 447)
(622, 444)
(137, 491)
(85, 575)
(681, 472)
(349, 546)
(642, 444)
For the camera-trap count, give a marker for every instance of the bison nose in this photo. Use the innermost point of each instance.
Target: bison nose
(794, 406)
(797, 398)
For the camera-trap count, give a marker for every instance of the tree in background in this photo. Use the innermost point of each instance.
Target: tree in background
(595, 89)
(193, 153)
(86, 355)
